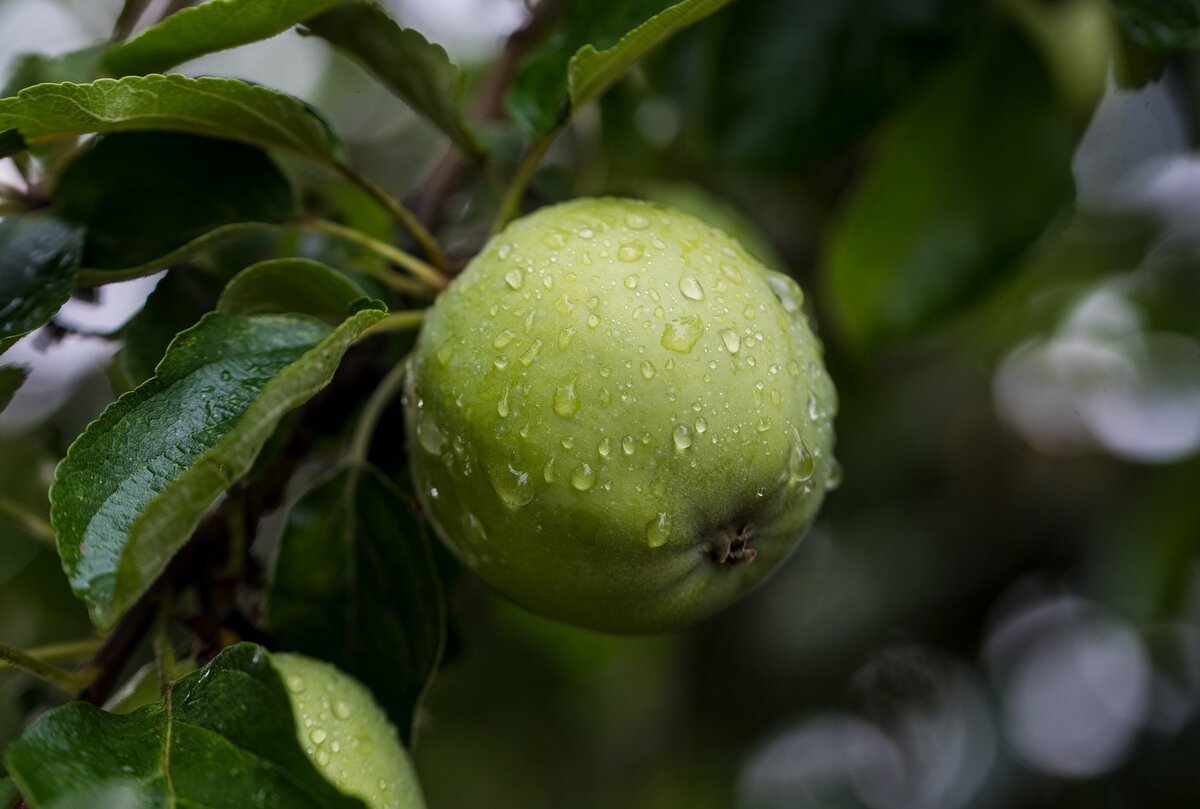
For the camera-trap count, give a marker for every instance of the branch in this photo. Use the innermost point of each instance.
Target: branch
(430, 276)
(425, 239)
(30, 523)
(23, 661)
(489, 106)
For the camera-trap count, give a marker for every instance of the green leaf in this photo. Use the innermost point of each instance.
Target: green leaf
(218, 108)
(284, 285)
(144, 195)
(180, 299)
(12, 377)
(8, 791)
(355, 584)
(963, 182)
(1162, 25)
(416, 70)
(207, 28)
(137, 482)
(217, 237)
(39, 258)
(36, 68)
(225, 737)
(597, 43)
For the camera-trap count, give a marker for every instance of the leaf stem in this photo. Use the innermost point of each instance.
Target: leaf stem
(57, 652)
(61, 678)
(406, 218)
(408, 320)
(164, 651)
(510, 206)
(429, 275)
(372, 411)
(29, 522)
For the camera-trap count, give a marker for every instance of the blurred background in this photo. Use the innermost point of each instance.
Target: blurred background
(992, 209)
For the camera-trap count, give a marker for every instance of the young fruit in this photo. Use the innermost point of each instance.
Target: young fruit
(618, 417)
(346, 735)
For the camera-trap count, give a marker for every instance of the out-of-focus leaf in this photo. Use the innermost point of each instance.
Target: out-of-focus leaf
(136, 483)
(181, 298)
(1162, 24)
(355, 584)
(779, 84)
(597, 43)
(39, 258)
(8, 791)
(218, 108)
(12, 377)
(225, 736)
(412, 67)
(11, 142)
(36, 68)
(962, 183)
(141, 689)
(144, 195)
(206, 28)
(284, 285)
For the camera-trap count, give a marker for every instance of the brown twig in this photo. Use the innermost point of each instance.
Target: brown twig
(489, 106)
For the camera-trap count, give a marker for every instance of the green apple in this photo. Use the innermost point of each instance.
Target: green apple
(618, 417)
(347, 735)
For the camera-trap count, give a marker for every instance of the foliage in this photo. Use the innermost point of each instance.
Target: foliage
(986, 203)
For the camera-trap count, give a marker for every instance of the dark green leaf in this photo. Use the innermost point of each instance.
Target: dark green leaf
(207, 28)
(144, 195)
(355, 584)
(39, 258)
(12, 377)
(225, 738)
(1162, 24)
(136, 483)
(218, 108)
(181, 298)
(284, 285)
(840, 66)
(412, 67)
(963, 182)
(596, 44)
(35, 68)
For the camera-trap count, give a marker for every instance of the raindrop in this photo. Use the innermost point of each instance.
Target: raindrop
(814, 407)
(604, 448)
(631, 282)
(733, 273)
(322, 758)
(548, 470)
(512, 485)
(682, 333)
(682, 436)
(503, 338)
(318, 736)
(657, 531)
(628, 444)
(295, 684)
(444, 354)
(505, 251)
(637, 221)
(531, 353)
(566, 399)
(701, 426)
(502, 408)
(630, 252)
(731, 340)
(565, 336)
(429, 434)
(800, 464)
(593, 320)
(833, 477)
(648, 369)
(514, 278)
(763, 425)
(691, 289)
(583, 478)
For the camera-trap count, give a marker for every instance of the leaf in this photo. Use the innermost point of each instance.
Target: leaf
(591, 71)
(217, 237)
(137, 482)
(12, 377)
(36, 68)
(8, 791)
(206, 28)
(355, 584)
(962, 183)
(416, 70)
(1162, 25)
(842, 67)
(291, 285)
(226, 737)
(144, 195)
(39, 257)
(180, 299)
(598, 41)
(11, 142)
(218, 108)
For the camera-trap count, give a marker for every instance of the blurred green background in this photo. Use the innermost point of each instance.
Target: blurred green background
(992, 209)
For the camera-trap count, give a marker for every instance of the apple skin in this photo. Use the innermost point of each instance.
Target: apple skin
(619, 418)
(347, 735)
